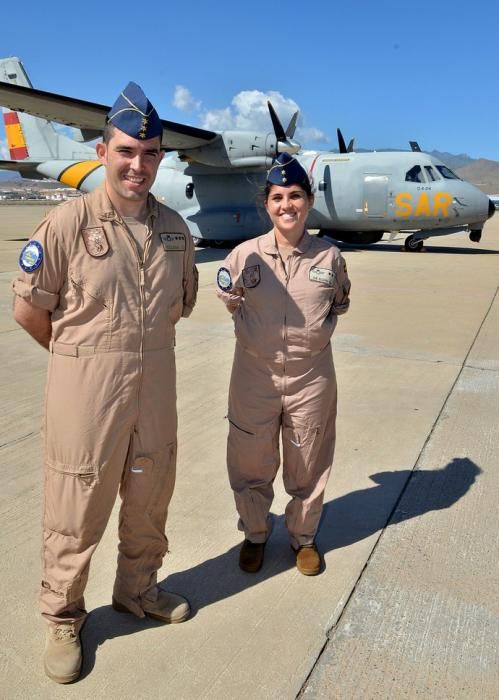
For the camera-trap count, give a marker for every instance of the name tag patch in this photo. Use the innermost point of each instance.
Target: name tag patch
(95, 241)
(173, 241)
(322, 275)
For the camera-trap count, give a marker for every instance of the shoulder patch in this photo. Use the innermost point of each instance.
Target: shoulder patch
(224, 280)
(173, 241)
(31, 256)
(323, 275)
(251, 276)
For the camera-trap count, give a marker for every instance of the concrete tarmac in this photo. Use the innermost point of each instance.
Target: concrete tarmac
(407, 606)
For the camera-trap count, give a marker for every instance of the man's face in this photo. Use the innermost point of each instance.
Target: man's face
(131, 165)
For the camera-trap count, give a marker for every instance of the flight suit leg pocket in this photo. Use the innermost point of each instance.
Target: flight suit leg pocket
(69, 499)
(149, 481)
(252, 455)
(137, 484)
(300, 446)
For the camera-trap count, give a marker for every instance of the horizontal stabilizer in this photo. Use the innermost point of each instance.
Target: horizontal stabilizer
(91, 116)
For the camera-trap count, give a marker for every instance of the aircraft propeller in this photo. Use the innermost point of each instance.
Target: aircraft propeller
(342, 147)
(285, 143)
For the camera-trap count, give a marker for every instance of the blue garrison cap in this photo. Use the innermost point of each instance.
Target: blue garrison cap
(286, 171)
(134, 114)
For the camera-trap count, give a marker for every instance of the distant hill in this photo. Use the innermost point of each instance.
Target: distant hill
(483, 173)
(452, 161)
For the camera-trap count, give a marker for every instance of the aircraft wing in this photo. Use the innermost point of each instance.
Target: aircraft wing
(91, 117)
(26, 168)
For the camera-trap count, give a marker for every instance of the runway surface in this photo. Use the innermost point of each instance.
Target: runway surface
(407, 606)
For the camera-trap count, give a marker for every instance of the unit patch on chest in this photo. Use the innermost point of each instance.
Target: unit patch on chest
(322, 275)
(173, 241)
(251, 276)
(95, 241)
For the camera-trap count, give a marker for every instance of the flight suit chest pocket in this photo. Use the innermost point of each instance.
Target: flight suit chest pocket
(90, 282)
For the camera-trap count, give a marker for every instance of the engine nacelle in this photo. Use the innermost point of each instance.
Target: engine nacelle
(235, 149)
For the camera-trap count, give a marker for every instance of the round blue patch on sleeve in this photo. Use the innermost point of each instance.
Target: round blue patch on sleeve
(224, 280)
(31, 256)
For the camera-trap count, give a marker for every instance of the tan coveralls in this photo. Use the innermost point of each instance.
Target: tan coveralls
(283, 379)
(110, 404)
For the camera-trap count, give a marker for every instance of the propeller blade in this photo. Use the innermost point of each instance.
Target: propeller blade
(278, 128)
(341, 142)
(290, 131)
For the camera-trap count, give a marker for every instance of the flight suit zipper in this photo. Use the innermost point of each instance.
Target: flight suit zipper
(143, 305)
(141, 281)
(287, 273)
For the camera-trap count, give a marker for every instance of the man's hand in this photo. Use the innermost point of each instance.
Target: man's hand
(35, 321)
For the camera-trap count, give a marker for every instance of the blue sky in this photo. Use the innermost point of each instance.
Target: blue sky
(385, 72)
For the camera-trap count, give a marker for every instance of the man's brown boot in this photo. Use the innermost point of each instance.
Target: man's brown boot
(62, 658)
(308, 560)
(251, 556)
(169, 608)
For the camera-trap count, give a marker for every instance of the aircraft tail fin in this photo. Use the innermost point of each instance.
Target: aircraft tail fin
(33, 138)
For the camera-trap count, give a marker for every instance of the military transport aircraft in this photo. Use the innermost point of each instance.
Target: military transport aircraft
(213, 178)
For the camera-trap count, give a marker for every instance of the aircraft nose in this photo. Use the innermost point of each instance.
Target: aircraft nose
(492, 208)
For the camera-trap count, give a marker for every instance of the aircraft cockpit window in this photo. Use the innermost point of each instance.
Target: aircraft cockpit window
(447, 173)
(431, 173)
(415, 174)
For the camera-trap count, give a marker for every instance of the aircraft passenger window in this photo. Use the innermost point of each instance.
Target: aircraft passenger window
(415, 174)
(189, 190)
(432, 175)
(447, 173)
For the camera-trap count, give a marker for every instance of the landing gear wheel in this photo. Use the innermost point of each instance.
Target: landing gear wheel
(412, 244)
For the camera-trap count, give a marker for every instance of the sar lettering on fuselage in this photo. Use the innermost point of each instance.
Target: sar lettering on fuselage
(407, 205)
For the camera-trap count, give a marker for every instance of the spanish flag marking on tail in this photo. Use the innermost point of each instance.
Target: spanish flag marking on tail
(76, 173)
(15, 137)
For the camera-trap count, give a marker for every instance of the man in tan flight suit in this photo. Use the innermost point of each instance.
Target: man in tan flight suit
(285, 290)
(104, 280)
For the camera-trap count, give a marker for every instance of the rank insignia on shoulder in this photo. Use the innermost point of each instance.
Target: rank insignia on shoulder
(95, 240)
(31, 256)
(173, 241)
(323, 275)
(224, 280)
(251, 276)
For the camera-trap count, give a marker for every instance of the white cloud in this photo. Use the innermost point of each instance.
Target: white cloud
(248, 111)
(184, 100)
(311, 134)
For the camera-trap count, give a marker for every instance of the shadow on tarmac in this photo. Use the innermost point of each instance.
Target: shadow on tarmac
(345, 520)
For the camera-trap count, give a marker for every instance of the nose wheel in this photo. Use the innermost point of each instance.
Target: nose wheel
(413, 245)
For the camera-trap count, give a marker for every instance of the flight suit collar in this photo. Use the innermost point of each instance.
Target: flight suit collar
(270, 246)
(106, 212)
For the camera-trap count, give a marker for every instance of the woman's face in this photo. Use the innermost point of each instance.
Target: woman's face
(288, 207)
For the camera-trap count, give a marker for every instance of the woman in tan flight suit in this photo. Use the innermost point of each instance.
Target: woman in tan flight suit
(285, 290)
